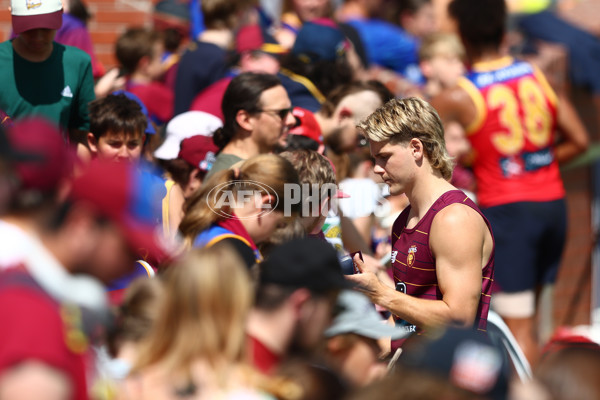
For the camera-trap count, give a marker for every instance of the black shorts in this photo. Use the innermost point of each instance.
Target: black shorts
(530, 238)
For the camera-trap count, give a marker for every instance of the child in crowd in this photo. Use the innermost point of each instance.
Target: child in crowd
(117, 128)
(185, 166)
(441, 59)
(135, 318)
(139, 51)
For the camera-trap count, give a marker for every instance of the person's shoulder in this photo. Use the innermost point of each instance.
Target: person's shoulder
(6, 49)
(456, 94)
(20, 295)
(72, 54)
(458, 214)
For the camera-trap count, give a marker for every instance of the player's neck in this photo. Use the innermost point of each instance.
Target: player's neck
(425, 192)
(487, 56)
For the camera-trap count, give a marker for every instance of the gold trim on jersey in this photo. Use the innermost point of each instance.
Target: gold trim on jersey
(548, 91)
(479, 102)
(227, 236)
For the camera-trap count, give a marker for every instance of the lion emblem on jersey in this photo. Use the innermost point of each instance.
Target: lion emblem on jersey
(410, 258)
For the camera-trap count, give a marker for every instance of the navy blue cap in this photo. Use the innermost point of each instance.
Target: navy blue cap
(320, 40)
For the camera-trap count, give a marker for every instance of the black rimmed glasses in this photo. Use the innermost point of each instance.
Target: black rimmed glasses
(281, 113)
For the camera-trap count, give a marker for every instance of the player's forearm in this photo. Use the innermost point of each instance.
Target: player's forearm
(565, 152)
(575, 139)
(425, 313)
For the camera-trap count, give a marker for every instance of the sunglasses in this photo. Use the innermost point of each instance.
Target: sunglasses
(282, 113)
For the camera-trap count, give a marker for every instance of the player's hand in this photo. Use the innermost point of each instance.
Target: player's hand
(366, 281)
(370, 264)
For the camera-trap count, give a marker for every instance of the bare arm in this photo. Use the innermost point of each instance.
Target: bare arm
(458, 241)
(455, 104)
(351, 237)
(574, 140)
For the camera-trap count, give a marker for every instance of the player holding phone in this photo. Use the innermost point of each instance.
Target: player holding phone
(442, 246)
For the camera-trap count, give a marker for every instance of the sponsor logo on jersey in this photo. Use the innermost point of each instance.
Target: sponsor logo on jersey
(410, 258)
(394, 254)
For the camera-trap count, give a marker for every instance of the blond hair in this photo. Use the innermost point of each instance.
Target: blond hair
(269, 170)
(400, 120)
(208, 294)
(137, 313)
(441, 44)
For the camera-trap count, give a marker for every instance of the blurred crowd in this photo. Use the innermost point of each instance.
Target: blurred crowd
(266, 200)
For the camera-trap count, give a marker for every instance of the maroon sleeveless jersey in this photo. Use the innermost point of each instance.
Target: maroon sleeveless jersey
(414, 264)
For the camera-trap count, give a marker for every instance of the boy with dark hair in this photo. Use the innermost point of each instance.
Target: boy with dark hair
(117, 128)
(510, 115)
(139, 51)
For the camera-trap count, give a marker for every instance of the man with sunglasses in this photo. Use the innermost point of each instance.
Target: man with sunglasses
(257, 116)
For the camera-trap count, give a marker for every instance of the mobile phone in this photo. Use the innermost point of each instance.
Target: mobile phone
(347, 263)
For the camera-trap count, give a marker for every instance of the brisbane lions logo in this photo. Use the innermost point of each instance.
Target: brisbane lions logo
(412, 252)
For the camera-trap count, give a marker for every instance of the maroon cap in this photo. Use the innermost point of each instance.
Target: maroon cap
(255, 38)
(306, 125)
(128, 196)
(54, 159)
(199, 150)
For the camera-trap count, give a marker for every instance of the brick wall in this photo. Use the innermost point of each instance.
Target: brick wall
(573, 288)
(572, 294)
(110, 18)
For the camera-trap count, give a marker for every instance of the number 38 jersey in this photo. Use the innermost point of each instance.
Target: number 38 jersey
(513, 134)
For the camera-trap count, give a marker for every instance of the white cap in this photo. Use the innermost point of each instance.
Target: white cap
(183, 126)
(35, 14)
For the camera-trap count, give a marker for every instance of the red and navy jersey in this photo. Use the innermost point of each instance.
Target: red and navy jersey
(414, 265)
(230, 228)
(513, 134)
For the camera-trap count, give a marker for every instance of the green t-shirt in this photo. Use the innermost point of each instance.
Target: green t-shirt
(58, 88)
